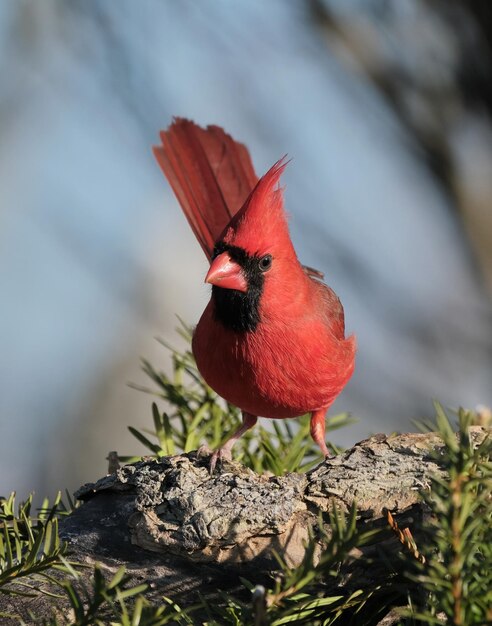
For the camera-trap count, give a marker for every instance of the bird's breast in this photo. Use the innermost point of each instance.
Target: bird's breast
(279, 370)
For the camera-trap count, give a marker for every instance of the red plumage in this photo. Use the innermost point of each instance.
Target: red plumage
(210, 173)
(271, 340)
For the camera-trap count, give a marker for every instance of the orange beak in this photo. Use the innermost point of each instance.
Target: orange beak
(226, 273)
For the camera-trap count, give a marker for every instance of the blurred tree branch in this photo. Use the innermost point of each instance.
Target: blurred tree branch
(432, 63)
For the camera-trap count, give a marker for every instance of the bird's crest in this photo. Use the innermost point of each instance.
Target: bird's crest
(262, 222)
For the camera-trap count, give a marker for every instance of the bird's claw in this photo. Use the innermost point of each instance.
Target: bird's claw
(204, 451)
(220, 454)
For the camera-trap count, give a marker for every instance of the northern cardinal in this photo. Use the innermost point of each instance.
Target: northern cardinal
(272, 339)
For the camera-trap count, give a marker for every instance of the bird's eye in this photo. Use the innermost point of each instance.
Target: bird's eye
(265, 262)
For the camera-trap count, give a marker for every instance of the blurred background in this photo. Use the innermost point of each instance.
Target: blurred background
(385, 109)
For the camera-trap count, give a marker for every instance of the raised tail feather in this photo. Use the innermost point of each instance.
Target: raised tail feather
(210, 173)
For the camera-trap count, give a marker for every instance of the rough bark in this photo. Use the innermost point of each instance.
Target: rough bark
(174, 525)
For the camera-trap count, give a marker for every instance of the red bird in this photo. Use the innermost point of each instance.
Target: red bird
(272, 338)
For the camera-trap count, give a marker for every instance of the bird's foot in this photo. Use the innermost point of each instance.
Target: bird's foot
(220, 454)
(204, 451)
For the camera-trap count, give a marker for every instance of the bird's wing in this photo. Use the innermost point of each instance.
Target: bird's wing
(210, 173)
(333, 309)
(312, 272)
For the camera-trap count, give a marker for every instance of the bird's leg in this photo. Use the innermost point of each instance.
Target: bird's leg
(225, 451)
(318, 429)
